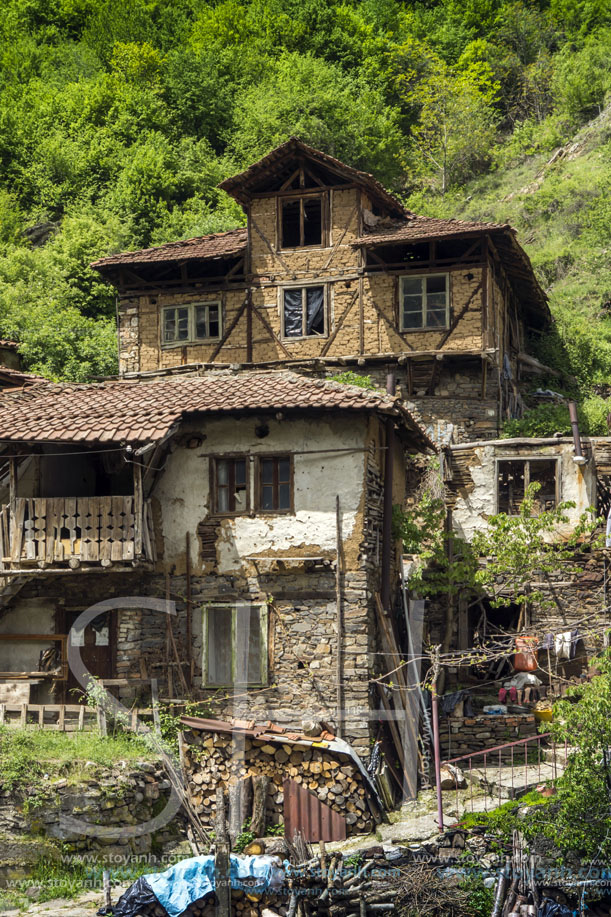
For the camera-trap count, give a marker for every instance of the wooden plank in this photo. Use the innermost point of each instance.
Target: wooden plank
(128, 529)
(118, 507)
(23, 719)
(106, 530)
(2, 714)
(61, 718)
(18, 530)
(155, 705)
(138, 509)
(59, 516)
(74, 539)
(40, 535)
(41, 717)
(94, 515)
(29, 546)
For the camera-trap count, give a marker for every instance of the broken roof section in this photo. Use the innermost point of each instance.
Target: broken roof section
(280, 163)
(203, 248)
(147, 411)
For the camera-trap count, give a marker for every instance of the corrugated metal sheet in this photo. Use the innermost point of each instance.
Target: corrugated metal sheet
(305, 813)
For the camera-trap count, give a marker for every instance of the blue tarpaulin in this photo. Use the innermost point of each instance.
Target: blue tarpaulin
(188, 881)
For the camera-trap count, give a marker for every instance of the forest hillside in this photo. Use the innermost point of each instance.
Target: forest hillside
(118, 118)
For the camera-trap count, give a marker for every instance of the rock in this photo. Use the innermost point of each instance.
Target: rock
(452, 778)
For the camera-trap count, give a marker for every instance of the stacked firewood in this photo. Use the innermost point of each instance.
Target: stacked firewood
(333, 778)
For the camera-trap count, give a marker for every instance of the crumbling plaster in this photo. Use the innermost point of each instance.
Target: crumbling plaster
(184, 496)
(474, 508)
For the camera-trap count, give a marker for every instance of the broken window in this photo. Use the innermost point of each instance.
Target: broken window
(303, 311)
(425, 301)
(275, 481)
(192, 322)
(514, 477)
(301, 221)
(230, 485)
(235, 645)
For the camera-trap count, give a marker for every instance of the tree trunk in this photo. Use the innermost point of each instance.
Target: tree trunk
(260, 788)
(240, 797)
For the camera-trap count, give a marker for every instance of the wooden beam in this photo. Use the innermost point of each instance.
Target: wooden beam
(339, 324)
(352, 214)
(229, 330)
(269, 246)
(271, 331)
(459, 316)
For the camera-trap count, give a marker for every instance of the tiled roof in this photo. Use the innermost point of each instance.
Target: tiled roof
(240, 186)
(9, 345)
(268, 732)
(202, 248)
(144, 411)
(418, 227)
(13, 378)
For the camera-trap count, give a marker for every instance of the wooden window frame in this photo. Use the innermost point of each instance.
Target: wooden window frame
(527, 460)
(302, 197)
(259, 459)
(263, 636)
(303, 287)
(423, 278)
(229, 457)
(191, 338)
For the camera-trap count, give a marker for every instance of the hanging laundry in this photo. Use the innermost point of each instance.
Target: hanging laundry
(525, 659)
(608, 536)
(562, 645)
(548, 642)
(575, 638)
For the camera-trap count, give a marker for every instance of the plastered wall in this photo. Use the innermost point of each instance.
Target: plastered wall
(476, 502)
(184, 499)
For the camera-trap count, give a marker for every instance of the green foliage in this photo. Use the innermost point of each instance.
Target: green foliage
(582, 821)
(481, 899)
(549, 419)
(244, 838)
(118, 118)
(351, 378)
(27, 755)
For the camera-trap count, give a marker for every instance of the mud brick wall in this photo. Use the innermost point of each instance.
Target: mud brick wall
(211, 760)
(464, 735)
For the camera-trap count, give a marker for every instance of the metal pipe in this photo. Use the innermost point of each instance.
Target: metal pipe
(385, 591)
(575, 428)
(437, 753)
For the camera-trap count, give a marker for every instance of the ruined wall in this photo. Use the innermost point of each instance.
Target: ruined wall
(474, 488)
(212, 761)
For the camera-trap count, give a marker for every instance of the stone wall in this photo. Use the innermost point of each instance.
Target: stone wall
(332, 777)
(110, 797)
(463, 735)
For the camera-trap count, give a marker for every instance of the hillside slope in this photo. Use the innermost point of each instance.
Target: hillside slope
(560, 204)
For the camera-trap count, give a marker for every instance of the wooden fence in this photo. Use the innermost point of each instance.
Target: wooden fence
(45, 531)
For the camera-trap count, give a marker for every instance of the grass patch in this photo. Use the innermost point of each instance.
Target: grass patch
(28, 757)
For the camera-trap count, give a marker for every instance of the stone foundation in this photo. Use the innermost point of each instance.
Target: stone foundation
(464, 735)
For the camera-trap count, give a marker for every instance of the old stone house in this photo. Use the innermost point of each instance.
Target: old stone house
(332, 271)
(256, 501)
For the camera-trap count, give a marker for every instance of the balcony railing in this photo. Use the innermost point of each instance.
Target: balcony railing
(70, 531)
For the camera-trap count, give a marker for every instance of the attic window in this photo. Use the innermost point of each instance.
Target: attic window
(425, 302)
(514, 477)
(303, 312)
(301, 221)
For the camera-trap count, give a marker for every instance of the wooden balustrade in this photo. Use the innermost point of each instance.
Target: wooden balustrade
(47, 531)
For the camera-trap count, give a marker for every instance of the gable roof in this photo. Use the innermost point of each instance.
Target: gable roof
(201, 248)
(147, 411)
(242, 185)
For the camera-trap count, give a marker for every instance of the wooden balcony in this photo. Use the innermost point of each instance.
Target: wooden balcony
(74, 531)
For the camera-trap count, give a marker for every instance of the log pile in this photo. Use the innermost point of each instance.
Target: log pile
(210, 761)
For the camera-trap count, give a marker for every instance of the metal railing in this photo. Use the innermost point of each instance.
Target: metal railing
(496, 760)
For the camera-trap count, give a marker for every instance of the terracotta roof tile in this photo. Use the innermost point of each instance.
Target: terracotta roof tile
(201, 248)
(143, 410)
(418, 227)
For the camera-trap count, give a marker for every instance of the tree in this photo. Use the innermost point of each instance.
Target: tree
(457, 124)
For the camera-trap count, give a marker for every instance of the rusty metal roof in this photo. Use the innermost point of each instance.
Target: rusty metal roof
(146, 410)
(268, 732)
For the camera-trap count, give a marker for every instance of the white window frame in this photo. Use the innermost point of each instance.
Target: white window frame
(423, 278)
(192, 307)
(325, 306)
(263, 628)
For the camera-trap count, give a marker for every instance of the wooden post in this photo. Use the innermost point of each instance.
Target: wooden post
(222, 862)
(138, 508)
(260, 786)
(240, 797)
(155, 705)
(107, 891)
(436, 747)
(340, 619)
(102, 725)
(189, 609)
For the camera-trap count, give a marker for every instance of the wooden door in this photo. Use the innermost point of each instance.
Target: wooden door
(97, 646)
